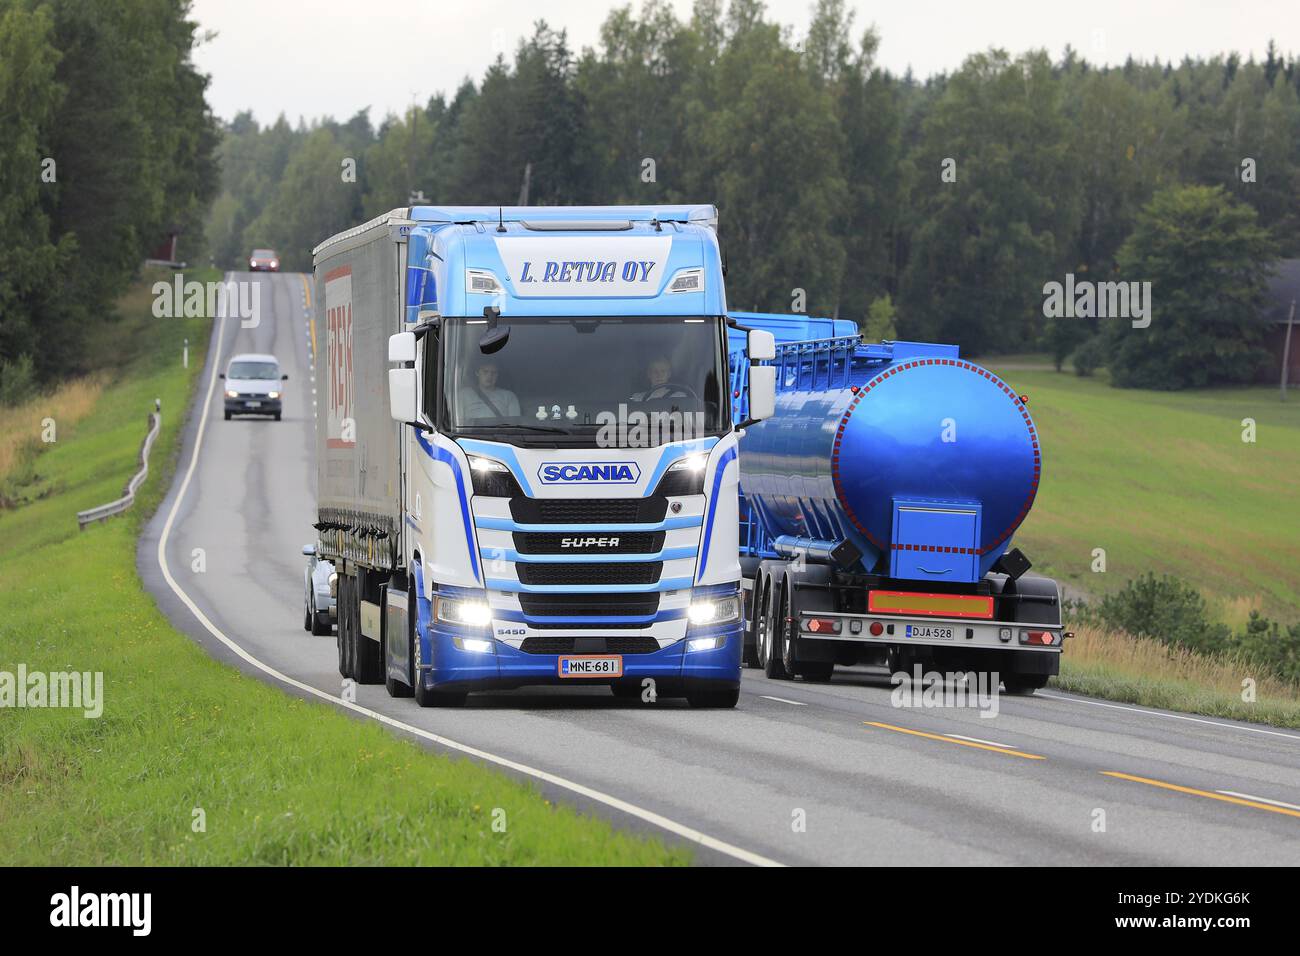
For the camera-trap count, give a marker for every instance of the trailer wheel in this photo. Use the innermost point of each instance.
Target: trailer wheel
(345, 656)
(772, 651)
(1024, 685)
(816, 670)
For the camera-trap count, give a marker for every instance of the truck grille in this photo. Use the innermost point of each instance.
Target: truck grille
(613, 645)
(588, 510)
(590, 605)
(614, 572)
(625, 542)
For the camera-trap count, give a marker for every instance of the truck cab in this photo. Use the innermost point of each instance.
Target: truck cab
(566, 481)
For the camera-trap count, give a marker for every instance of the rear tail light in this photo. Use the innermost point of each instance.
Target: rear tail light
(821, 625)
(1041, 638)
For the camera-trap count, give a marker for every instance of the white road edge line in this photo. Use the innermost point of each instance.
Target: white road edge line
(1247, 796)
(649, 816)
(782, 700)
(980, 740)
(1161, 713)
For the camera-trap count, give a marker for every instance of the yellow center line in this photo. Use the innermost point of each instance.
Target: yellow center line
(951, 740)
(1200, 793)
(311, 321)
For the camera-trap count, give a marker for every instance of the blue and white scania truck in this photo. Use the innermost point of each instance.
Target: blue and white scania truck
(526, 450)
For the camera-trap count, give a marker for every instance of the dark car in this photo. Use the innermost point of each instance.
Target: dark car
(264, 260)
(253, 386)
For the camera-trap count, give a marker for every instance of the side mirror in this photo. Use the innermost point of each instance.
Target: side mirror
(221, 375)
(285, 377)
(761, 345)
(401, 347)
(309, 549)
(403, 395)
(762, 392)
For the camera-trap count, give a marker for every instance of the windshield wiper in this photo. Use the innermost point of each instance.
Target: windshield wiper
(549, 429)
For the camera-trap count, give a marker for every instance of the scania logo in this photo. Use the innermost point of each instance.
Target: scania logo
(589, 542)
(595, 472)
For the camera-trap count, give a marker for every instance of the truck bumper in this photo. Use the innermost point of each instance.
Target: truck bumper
(505, 666)
(822, 633)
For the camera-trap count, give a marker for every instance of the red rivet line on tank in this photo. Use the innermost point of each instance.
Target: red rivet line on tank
(934, 548)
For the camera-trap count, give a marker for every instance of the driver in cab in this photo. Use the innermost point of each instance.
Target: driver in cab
(481, 399)
(659, 374)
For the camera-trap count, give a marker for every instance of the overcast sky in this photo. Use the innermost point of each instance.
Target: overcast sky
(334, 57)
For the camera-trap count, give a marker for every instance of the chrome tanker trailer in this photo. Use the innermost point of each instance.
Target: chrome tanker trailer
(878, 508)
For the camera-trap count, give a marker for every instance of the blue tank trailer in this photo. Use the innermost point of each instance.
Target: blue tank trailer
(878, 506)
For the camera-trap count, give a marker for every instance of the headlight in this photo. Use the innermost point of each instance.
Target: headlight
(275, 263)
(492, 479)
(231, 393)
(463, 611)
(716, 610)
(685, 477)
(252, 263)
(272, 394)
(474, 644)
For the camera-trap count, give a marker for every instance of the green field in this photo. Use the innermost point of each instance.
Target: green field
(1163, 482)
(277, 780)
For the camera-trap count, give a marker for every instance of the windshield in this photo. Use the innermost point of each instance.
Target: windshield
(604, 382)
(263, 253)
(253, 370)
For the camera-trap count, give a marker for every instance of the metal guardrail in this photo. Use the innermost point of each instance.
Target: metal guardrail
(121, 504)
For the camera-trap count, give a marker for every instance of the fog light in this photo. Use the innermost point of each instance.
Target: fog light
(705, 643)
(474, 644)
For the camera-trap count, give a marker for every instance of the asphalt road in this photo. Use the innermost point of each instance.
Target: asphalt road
(798, 773)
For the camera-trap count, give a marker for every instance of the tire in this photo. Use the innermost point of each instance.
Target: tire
(320, 624)
(1024, 685)
(227, 416)
(816, 670)
(277, 416)
(714, 699)
(307, 618)
(395, 687)
(345, 654)
(432, 698)
(749, 657)
(368, 654)
(769, 654)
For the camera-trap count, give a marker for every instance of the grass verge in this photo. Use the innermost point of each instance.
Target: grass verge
(184, 739)
(1163, 482)
(1116, 666)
